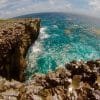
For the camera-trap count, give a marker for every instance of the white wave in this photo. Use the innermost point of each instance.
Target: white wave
(36, 48)
(55, 26)
(43, 34)
(75, 25)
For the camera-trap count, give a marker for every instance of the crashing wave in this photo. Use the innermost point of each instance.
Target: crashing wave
(43, 34)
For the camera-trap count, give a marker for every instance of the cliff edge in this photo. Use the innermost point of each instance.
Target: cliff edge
(16, 36)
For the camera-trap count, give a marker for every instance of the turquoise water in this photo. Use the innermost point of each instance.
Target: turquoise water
(62, 38)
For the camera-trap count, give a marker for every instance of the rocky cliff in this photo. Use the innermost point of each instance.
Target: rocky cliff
(75, 81)
(16, 35)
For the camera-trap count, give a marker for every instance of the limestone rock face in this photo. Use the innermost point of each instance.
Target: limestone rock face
(16, 35)
(75, 81)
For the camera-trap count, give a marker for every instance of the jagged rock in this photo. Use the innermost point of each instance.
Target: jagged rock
(16, 35)
(61, 84)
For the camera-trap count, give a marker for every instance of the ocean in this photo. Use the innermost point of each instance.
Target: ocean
(63, 38)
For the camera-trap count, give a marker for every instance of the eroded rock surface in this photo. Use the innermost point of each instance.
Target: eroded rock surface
(16, 35)
(75, 81)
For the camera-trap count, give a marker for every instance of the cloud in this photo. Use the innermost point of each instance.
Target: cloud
(11, 8)
(95, 6)
(3, 1)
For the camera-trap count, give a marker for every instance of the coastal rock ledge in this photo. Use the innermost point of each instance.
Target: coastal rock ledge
(16, 36)
(75, 81)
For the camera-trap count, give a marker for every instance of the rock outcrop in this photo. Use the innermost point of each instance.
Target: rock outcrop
(16, 35)
(75, 81)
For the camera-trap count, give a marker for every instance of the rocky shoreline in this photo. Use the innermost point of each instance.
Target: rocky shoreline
(16, 36)
(75, 81)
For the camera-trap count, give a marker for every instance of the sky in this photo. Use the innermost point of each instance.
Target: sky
(13, 8)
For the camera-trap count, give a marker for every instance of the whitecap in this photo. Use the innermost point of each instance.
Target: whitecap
(43, 34)
(75, 25)
(55, 26)
(36, 48)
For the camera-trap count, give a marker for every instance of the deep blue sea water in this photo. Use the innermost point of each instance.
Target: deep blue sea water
(63, 38)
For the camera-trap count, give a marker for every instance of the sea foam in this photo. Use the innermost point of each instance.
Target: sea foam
(43, 34)
(36, 49)
(37, 46)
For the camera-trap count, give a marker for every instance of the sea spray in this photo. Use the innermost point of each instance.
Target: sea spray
(43, 34)
(35, 50)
